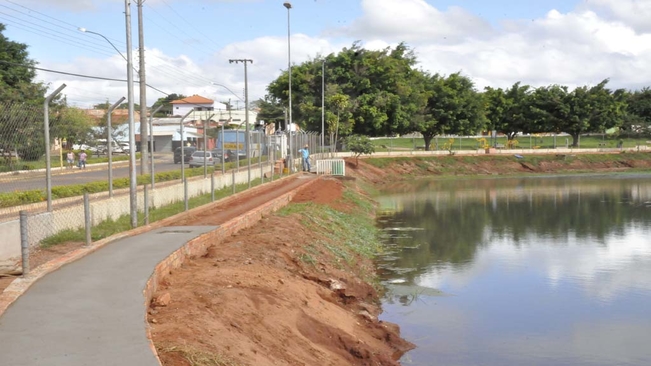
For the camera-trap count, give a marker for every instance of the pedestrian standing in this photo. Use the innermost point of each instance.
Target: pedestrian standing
(70, 157)
(82, 160)
(305, 157)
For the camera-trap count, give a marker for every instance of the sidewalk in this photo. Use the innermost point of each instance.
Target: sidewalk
(91, 311)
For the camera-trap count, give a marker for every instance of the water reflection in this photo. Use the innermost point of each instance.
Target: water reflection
(521, 271)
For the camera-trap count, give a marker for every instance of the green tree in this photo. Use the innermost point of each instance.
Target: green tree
(509, 111)
(380, 86)
(340, 103)
(583, 110)
(73, 125)
(166, 102)
(453, 107)
(106, 105)
(271, 111)
(17, 73)
(638, 112)
(21, 111)
(359, 145)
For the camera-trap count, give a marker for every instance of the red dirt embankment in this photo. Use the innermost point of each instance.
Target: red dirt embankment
(251, 300)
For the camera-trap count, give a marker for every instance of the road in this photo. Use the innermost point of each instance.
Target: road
(36, 180)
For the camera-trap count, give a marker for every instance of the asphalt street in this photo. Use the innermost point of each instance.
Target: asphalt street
(36, 180)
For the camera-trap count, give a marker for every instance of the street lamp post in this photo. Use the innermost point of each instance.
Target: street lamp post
(84, 30)
(322, 105)
(133, 199)
(247, 139)
(144, 143)
(288, 5)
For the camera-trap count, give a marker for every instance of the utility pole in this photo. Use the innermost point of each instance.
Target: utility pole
(133, 198)
(144, 134)
(246, 112)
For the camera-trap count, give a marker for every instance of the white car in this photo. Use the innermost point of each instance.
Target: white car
(198, 157)
(124, 146)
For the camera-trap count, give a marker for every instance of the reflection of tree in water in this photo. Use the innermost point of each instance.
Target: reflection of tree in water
(455, 223)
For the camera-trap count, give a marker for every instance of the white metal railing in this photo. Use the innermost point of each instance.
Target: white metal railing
(331, 167)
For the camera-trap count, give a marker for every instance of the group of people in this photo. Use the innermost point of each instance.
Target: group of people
(70, 157)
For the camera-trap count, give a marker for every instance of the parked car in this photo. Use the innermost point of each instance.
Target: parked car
(187, 152)
(198, 157)
(91, 149)
(125, 147)
(228, 157)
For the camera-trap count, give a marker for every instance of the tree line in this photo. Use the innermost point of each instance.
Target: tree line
(384, 93)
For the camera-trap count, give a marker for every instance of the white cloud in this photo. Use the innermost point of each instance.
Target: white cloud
(182, 75)
(414, 21)
(580, 47)
(597, 40)
(634, 13)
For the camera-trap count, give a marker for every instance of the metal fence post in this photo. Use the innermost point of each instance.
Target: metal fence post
(87, 222)
(272, 159)
(24, 243)
(146, 199)
(233, 181)
(48, 162)
(212, 187)
(185, 193)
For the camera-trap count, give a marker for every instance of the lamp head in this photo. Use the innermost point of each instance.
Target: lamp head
(288, 5)
(82, 29)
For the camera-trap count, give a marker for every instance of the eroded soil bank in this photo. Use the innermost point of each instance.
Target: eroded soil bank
(294, 290)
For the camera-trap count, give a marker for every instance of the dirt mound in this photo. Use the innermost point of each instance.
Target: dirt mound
(252, 300)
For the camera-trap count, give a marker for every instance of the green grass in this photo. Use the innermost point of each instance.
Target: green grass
(197, 357)
(344, 235)
(524, 142)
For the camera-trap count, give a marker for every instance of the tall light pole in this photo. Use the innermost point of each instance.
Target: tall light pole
(84, 30)
(133, 198)
(288, 5)
(323, 105)
(247, 139)
(144, 138)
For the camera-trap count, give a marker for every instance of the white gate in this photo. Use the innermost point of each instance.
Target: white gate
(331, 167)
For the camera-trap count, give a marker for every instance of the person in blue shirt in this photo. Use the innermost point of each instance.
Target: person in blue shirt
(305, 156)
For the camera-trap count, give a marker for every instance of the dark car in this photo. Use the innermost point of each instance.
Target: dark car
(217, 153)
(187, 153)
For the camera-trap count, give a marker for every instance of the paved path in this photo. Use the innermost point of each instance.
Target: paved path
(91, 312)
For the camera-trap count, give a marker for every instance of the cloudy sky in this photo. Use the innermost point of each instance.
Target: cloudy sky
(189, 42)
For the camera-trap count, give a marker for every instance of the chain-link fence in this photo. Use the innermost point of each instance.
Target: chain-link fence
(22, 145)
(97, 216)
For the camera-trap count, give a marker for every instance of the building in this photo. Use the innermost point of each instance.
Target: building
(167, 131)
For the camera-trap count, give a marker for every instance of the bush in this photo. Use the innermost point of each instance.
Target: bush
(31, 152)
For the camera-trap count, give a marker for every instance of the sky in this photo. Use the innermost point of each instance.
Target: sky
(188, 42)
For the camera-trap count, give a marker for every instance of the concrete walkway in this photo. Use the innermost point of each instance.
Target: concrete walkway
(91, 312)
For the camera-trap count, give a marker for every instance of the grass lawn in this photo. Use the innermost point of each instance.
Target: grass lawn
(523, 142)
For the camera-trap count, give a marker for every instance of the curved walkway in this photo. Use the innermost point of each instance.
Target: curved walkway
(91, 312)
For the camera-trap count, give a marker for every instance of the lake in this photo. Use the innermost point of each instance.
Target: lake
(520, 271)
